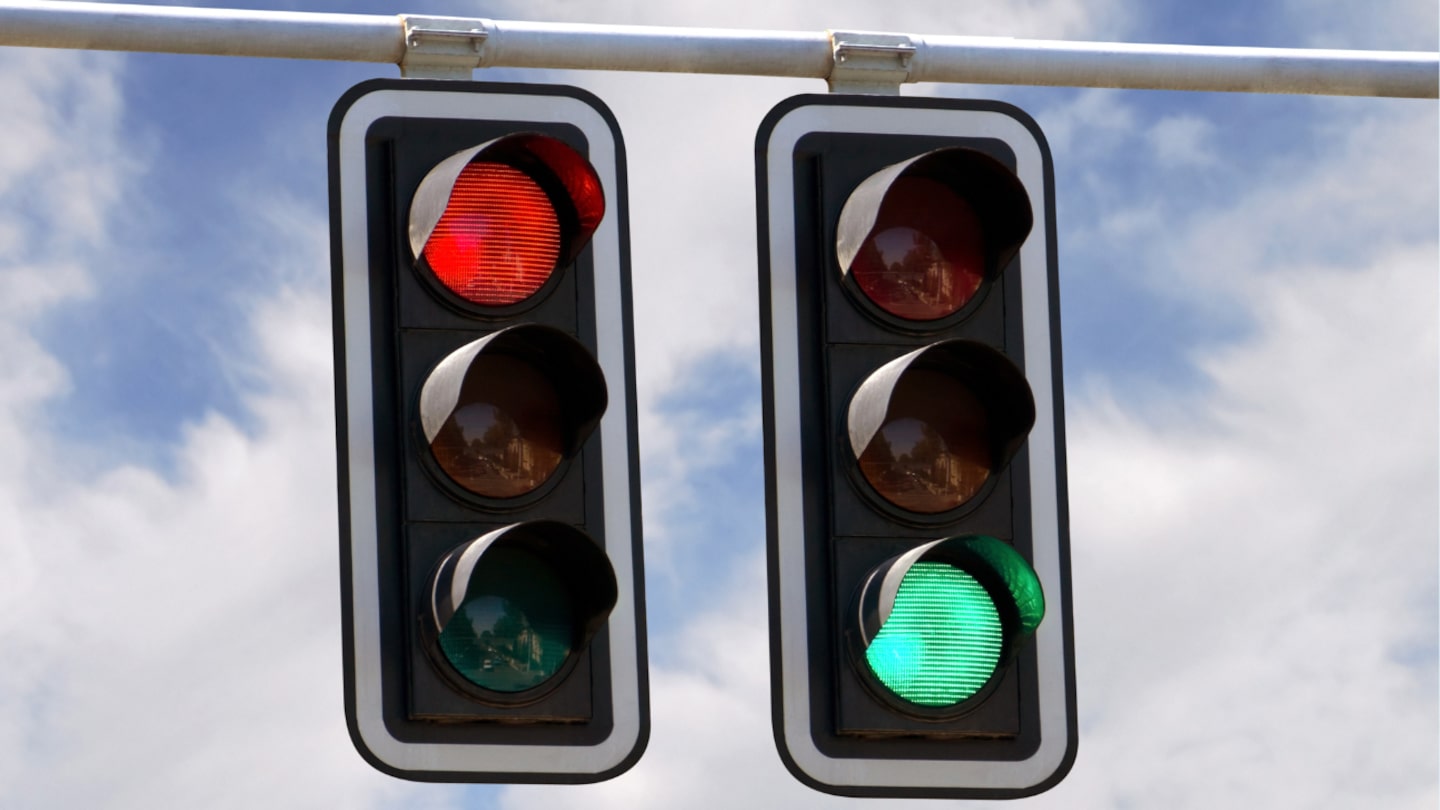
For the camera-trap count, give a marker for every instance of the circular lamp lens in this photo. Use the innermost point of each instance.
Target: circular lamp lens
(932, 453)
(504, 437)
(498, 240)
(925, 257)
(514, 629)
(942, 641)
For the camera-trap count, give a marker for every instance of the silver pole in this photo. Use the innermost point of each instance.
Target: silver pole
(914, 58)
(798, 54)
(218, 32)
(1404, 74)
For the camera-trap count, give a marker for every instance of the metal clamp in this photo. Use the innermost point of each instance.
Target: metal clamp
(870, 63)
(443, 47)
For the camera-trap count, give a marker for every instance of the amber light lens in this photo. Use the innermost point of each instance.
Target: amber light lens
(499, 239)
(504, 437)
(932, 453)
(925, 257)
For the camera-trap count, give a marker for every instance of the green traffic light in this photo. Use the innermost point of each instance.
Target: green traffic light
(942, 640)
(514, 629)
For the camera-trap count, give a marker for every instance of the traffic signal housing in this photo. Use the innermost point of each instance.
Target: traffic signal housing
(921, 641)
(491, 571)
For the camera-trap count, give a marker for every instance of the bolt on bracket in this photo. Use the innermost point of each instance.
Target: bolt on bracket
(869, 63)
(443, 47)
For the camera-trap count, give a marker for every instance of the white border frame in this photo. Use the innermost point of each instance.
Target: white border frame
(860, 773)
(423, 758)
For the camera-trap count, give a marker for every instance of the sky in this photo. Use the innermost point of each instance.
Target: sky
(1249, 301)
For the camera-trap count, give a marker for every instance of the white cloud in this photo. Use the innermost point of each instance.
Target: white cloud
(1256, 576)
(1184, 140)
(181, 637)
(169, 641)
(1398, 25)
(1276, 213)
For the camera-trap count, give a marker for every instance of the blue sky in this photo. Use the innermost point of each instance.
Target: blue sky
(1249, 300)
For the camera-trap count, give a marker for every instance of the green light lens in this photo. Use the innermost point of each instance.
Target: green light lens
(942, 640)
(514, 629)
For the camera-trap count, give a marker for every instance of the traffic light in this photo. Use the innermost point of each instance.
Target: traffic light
(920, 626)
(491, 575)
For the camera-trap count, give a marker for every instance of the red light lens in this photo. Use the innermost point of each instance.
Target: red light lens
(505, 436)
(925, 257)
(933, 451)
(580, 182)
(499, 239)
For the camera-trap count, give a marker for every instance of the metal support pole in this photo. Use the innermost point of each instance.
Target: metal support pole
(850, 61)
(217, 32)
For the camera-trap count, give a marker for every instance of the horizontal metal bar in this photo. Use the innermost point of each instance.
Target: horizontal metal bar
(657, 49)
(218, 32)
(978, 60)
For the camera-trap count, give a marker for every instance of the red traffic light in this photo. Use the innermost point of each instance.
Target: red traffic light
(495, 221)
(492, 581)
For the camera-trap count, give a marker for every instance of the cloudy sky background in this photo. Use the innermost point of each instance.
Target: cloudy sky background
(1249, 297)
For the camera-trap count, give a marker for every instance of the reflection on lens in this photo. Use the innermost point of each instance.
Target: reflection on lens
(505, 436)
(514, 629)
(925, 257)
(932, 453)
(942, 640)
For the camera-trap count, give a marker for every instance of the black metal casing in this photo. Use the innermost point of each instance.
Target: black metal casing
(828, 529)
(404, 717)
